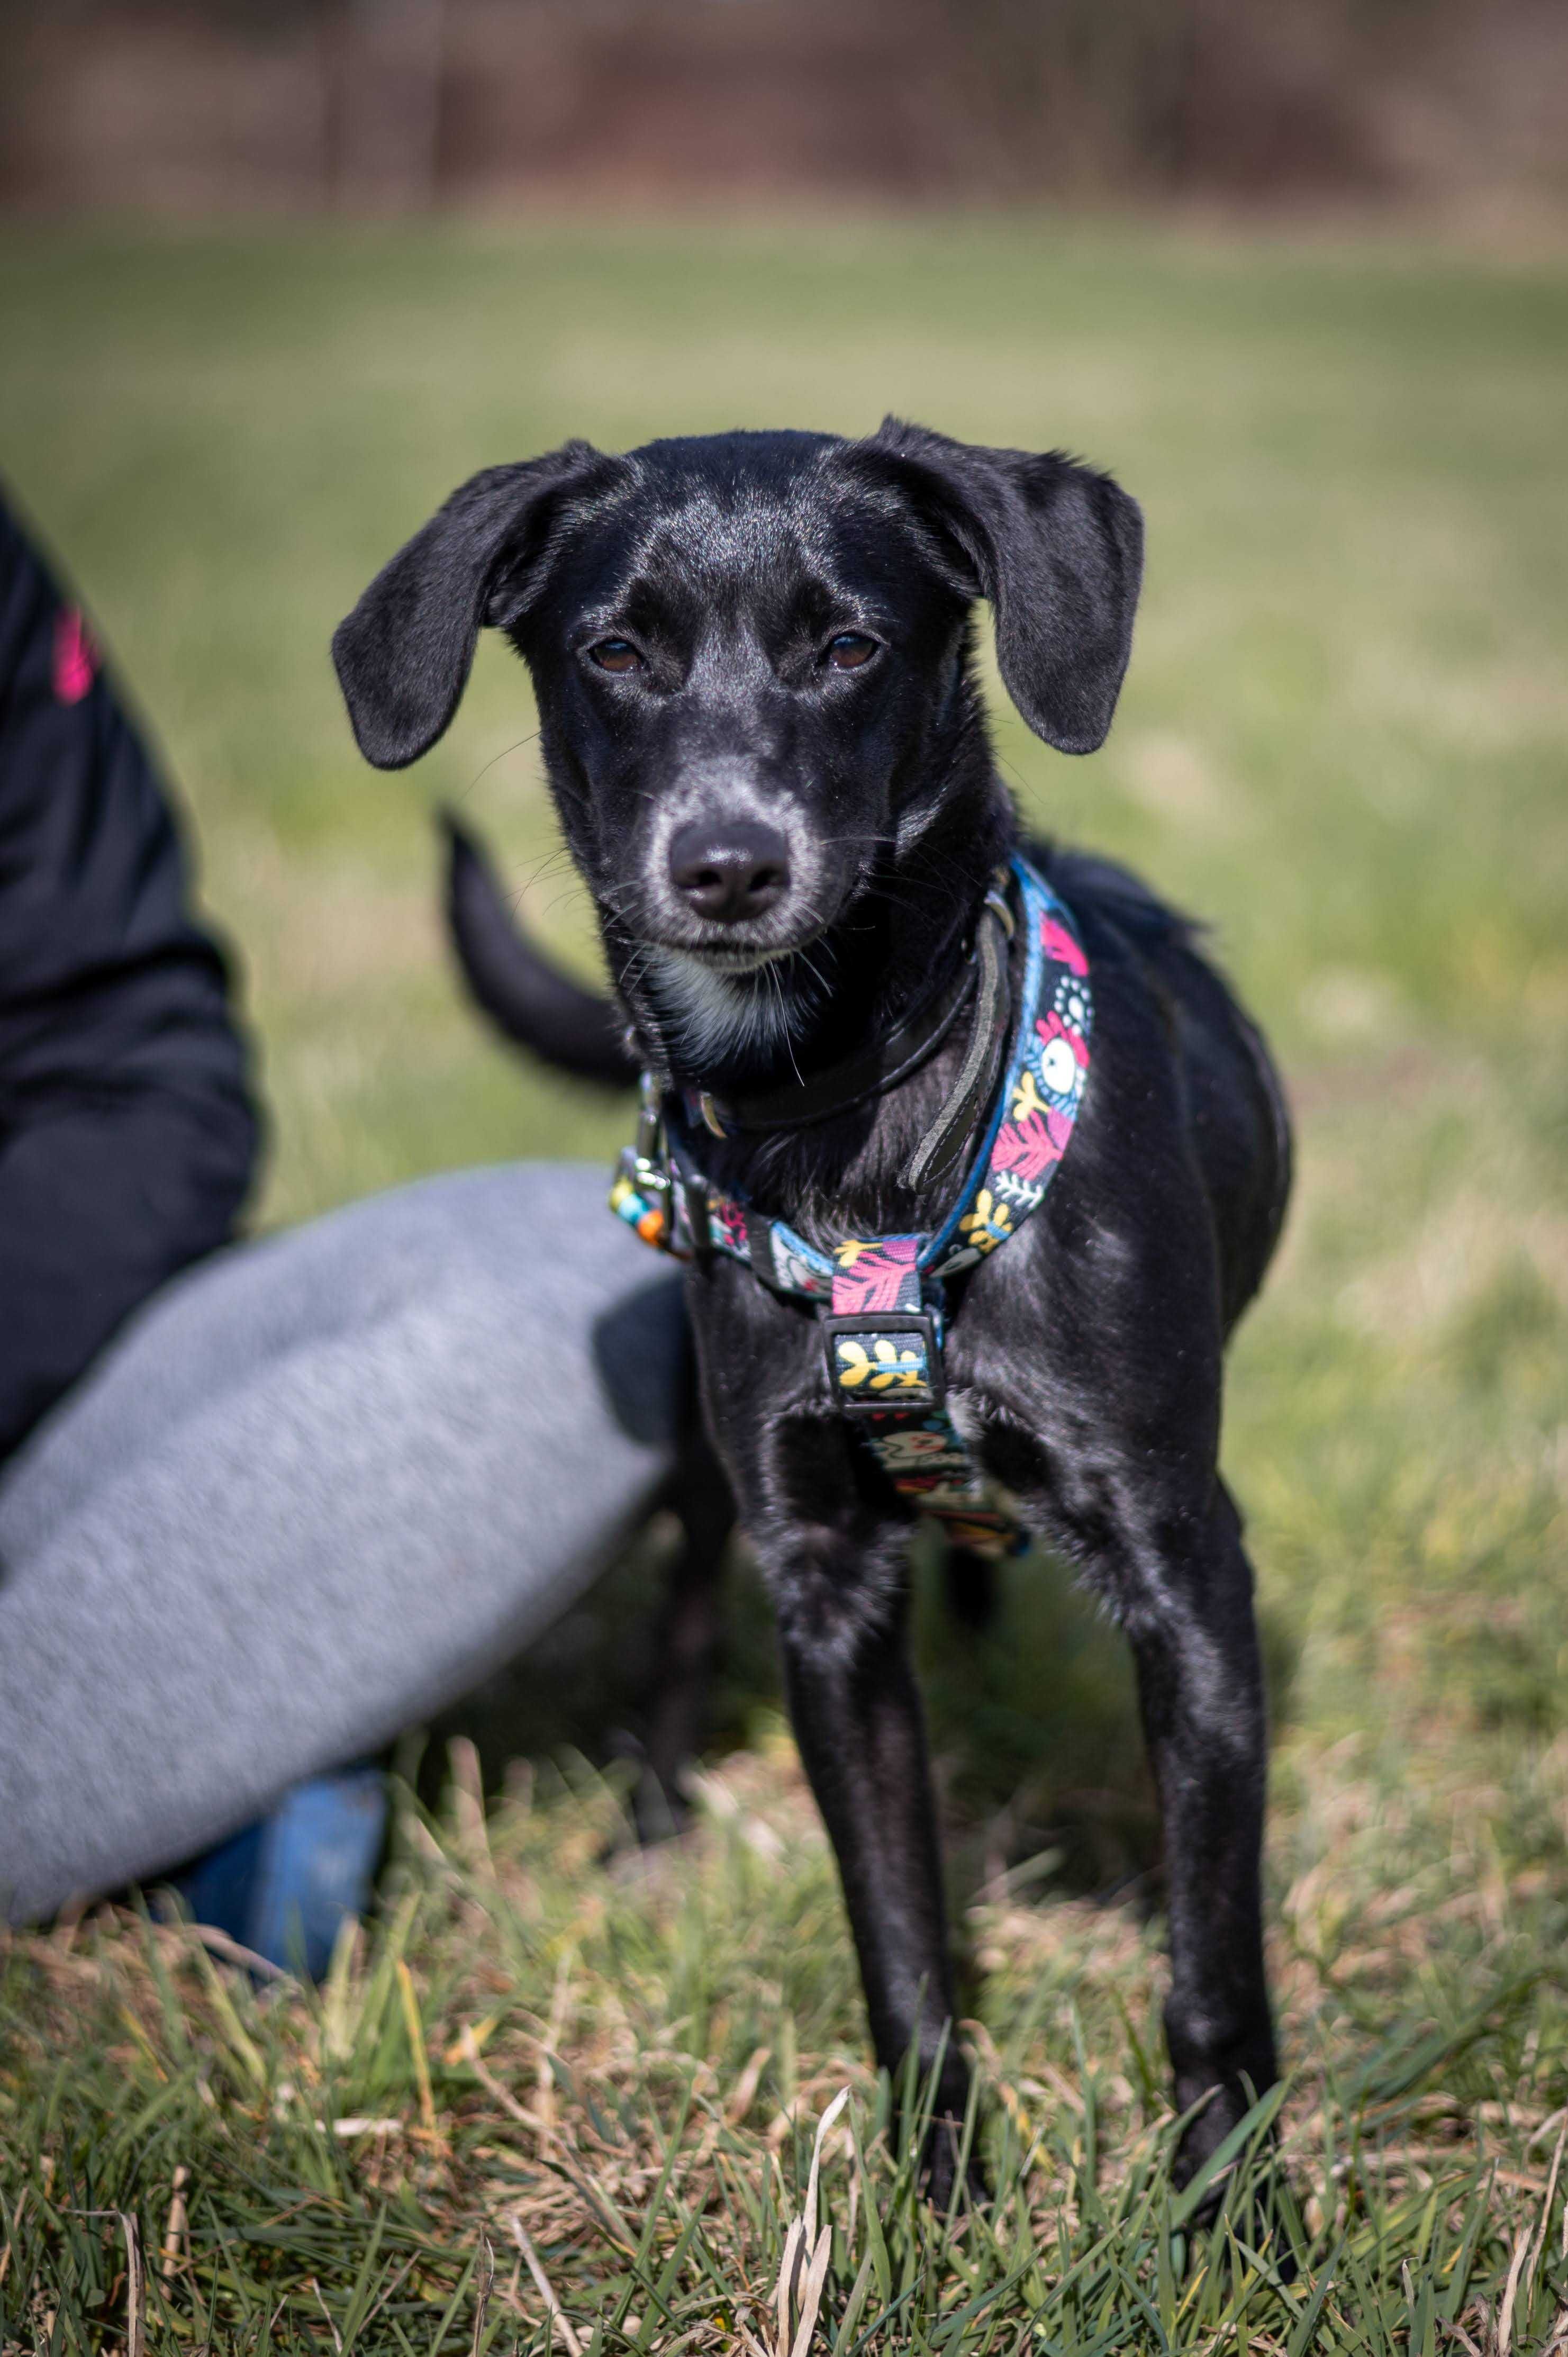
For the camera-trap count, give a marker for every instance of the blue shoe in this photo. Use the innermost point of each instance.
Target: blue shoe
(283, 1886)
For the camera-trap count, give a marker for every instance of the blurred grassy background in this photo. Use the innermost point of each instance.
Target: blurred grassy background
(1341, 742)
(1342, 735)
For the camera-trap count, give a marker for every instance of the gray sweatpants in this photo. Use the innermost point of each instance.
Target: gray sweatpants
(316, 1489)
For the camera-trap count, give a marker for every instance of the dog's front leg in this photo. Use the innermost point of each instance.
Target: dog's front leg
(1201, 1693)
(840, 1585)
(689, 1634)
(834, 1554)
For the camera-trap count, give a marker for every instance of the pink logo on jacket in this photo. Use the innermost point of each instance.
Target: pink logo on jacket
(75, 656)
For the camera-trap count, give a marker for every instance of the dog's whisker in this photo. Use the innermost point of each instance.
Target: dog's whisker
(479, 775)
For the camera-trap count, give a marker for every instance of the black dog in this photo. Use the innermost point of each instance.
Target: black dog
(752, 659)
(532, 1002)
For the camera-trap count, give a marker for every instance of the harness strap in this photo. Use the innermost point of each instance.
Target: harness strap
(881, 1300)
(885, 1368)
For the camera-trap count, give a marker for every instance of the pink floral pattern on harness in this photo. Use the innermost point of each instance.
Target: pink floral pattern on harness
(876, 1275)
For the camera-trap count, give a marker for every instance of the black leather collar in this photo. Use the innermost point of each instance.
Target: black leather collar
(871, 1072)
(913, 1041)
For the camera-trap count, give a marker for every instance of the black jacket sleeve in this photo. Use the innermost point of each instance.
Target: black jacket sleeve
(107, 984)
(127, 1134)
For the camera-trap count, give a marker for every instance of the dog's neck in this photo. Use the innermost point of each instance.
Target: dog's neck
(901, 942)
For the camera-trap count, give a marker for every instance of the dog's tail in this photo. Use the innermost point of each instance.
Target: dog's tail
(525, 996)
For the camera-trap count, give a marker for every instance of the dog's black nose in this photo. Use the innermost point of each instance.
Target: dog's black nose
(730, 869)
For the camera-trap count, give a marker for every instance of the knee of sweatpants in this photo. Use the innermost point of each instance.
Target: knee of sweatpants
(101, 1203)
(642, 1349)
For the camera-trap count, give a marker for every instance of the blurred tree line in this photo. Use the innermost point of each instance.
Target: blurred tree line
(405, 104)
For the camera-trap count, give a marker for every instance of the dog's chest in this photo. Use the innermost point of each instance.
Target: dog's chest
(1012, 1388)
(994, 1429)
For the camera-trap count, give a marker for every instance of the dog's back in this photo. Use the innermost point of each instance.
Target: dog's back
(1237, 1114)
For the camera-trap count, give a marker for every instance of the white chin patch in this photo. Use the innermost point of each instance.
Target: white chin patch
(718, 1016)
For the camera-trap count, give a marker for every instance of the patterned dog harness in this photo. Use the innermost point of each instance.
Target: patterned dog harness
(881, 1300)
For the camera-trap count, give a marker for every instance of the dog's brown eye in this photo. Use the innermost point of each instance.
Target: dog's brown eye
(616, 654)
(849, 650)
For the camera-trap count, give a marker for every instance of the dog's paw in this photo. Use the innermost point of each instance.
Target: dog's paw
(938, 2171)
(1200, 2144)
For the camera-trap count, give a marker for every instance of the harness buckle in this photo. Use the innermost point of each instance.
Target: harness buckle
(643, 1194)
(885, 1362)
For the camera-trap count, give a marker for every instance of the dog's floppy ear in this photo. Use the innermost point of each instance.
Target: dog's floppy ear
(1059, 551)
(404, 652)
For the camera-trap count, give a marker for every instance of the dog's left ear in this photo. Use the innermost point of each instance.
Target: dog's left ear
(404, 652)
(1057, 549)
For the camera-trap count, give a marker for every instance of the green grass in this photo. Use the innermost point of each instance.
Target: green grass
(1343, 742)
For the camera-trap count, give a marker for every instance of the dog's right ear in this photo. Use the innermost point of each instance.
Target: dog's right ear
(404, 654)
(1058, 551)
